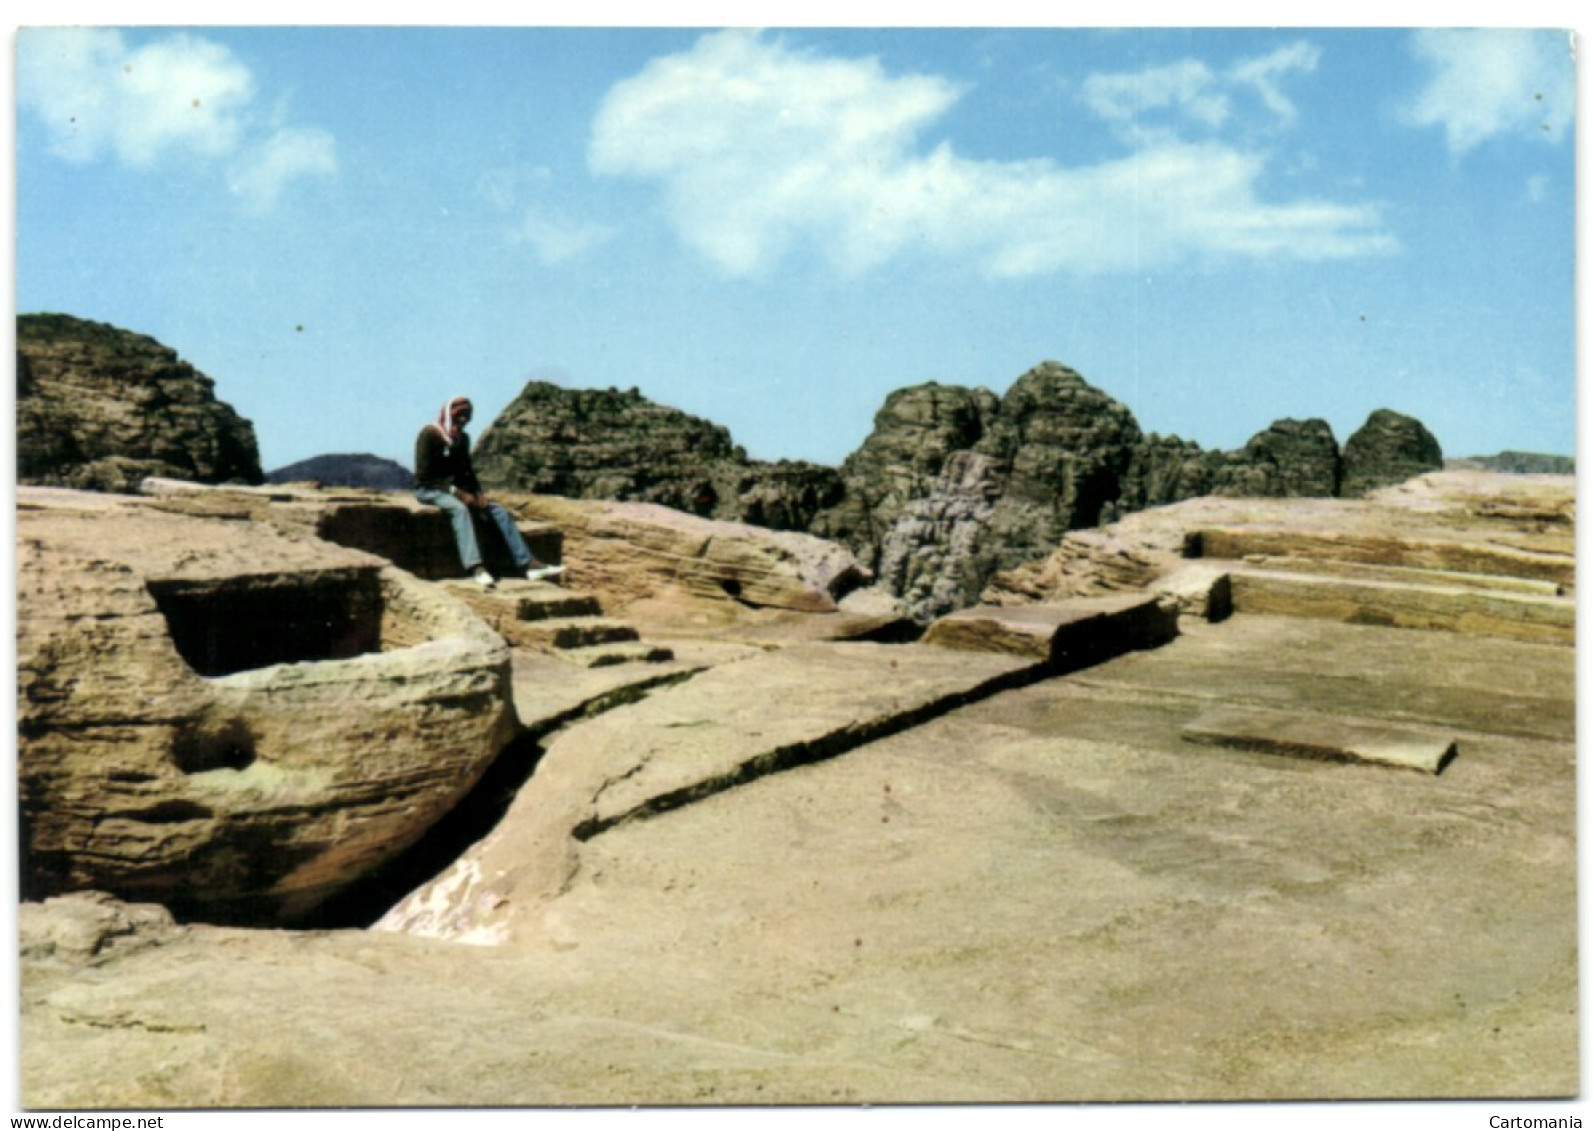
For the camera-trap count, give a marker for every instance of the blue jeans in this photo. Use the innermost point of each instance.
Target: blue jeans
(465, 530)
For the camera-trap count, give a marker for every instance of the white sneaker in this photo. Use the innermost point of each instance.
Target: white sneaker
(542, 573)
(485, 579)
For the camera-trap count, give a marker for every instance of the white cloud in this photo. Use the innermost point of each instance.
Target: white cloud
(1188, 87)
(1263, 73)
(553, 233)
(1489, 83)
(557, 238)
(758, 146)
(181, 96)
(264, 170)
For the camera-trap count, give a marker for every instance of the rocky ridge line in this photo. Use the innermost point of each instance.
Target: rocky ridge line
(101, 408)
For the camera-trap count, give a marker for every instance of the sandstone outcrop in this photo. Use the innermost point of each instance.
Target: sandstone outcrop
(1292, 458)
(955, 485)
(1201, 871)
(102, 408)
(228, 719)
(1389, 448)
(618, 445)
(632, 552)
(1465, 552)
(707, 736)
(915, 434)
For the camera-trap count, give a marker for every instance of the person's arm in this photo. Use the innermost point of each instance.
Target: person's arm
(465, 474)
(429, 470)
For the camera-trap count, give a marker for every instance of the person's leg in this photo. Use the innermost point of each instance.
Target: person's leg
(459, 517)
(511, 536)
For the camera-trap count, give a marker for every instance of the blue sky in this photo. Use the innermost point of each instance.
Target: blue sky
(345, 227)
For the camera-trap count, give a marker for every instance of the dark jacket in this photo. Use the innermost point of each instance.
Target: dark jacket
(440, 465)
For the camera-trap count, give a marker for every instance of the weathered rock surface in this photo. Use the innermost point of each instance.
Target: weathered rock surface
(1389, 448)
(916, 433)
(631, 552)
(228, 719)
(711, 734)
(1292, 458)
(955, 485)
(1072, 634)
(1048, 895)
(102, 408)
(608, 444)
(364, 470)
(395, 527)
(1520, 463)
(91, 928)
(952, 485)
(1275, 732)
(941, 543)
(1486, 529)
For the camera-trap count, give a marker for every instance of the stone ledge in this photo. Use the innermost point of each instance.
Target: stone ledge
(1071, 634)
(1321, 739)
(1382, 550)
(1515, 616)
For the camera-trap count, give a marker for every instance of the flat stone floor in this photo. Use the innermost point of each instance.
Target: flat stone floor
(1046, 895)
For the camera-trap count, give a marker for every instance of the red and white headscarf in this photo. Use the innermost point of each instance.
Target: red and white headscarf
(445, 419)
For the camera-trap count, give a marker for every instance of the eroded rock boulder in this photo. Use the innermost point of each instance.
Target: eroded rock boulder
(618, 445)
(1389, 448)
(915, 433)
(231, 720)
(629, 552)
(90, 928)
(102, 408)
(1289, 459)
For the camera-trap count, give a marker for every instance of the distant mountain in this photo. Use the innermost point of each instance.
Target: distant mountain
(368, 471)
(1520, 463)
(953, 484)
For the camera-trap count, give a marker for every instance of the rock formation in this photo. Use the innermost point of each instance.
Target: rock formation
(228, 719)
(608, 444)
(1517, 463)
(102, 408)
(955, 484)
(916, 431)
(364, 471)
(951, 486)
(1389, 448)
(632, 552)
(1290, 459)
(1455, 552)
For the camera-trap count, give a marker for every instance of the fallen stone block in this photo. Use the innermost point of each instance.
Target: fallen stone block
(1071, 634)
(1319, 738)
(1199, 590)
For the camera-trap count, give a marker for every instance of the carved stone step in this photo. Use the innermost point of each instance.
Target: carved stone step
(541, 601)
(624, 652)
(573, 632)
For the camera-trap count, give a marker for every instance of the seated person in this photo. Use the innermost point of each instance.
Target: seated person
(445, 477)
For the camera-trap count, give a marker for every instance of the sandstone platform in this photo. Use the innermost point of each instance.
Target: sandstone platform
(807, 871)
